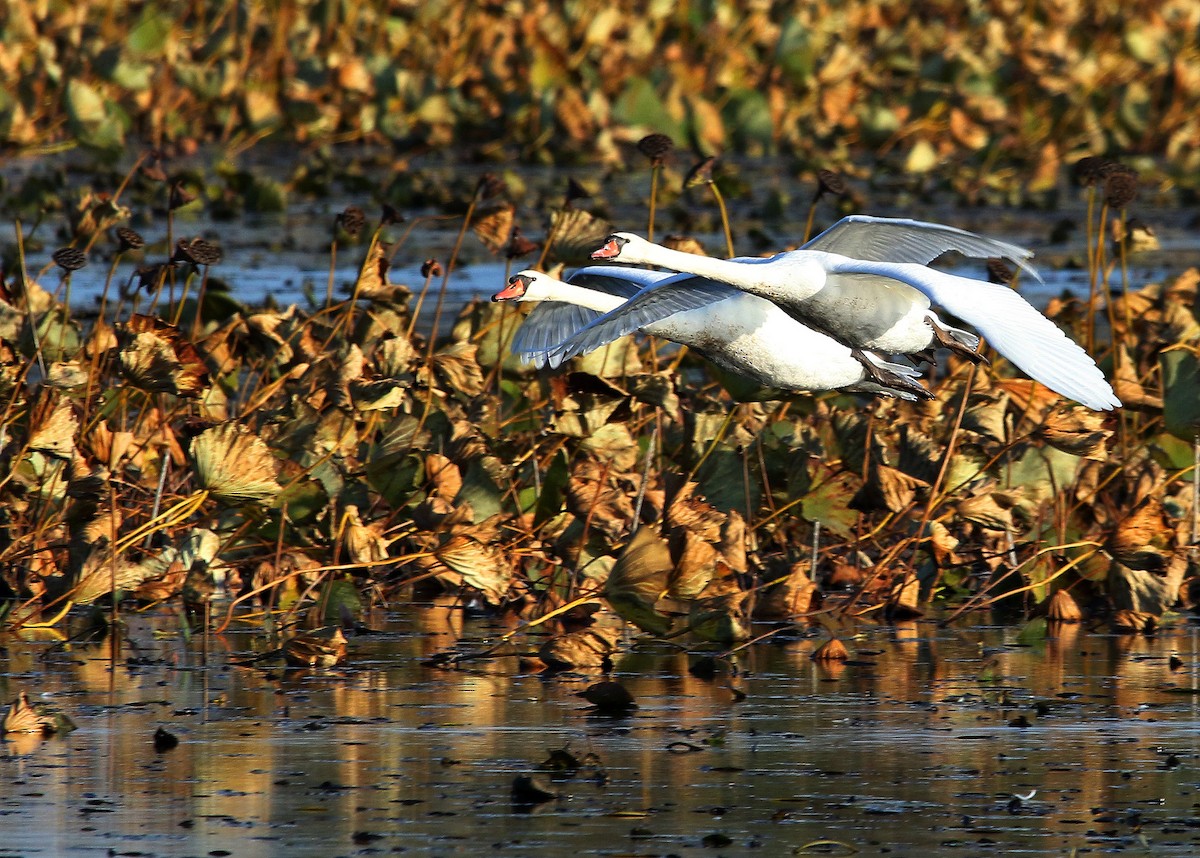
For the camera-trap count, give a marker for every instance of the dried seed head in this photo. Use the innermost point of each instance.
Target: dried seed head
(830, 182)
(128, 239)
(1087, 171)
(999, 272)
(656, 147)
(1120, 189)
(490, 185)
(519, 245)
(197, 251)
(431, 268)
(180, 196)
(1113, 168)
(390, 215)
(69, 258)
(352, 219)
(701, 174)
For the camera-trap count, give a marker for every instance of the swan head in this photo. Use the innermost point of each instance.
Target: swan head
(517, 288)
(616, 244)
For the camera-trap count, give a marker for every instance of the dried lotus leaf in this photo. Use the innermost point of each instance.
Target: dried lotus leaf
(235, 465)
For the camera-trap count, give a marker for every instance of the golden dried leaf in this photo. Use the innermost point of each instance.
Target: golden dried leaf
(832, 650)
(235, 465)
(595, 495)
(372, 280)
(1063, 608)
(1078, 431)
(722, 615)
(22, 717)
(154, 357)
(494, 226)
(576, 234)
(364, 543)
(316, 649)
(481, 566)
(992, 510)
(639, 579)
(1131, 622)
(55, 436)
(942, 544)
(695, 565)
(444, 475)
(458, 369)
(791, 597)
(1140, 538)
(587, 648)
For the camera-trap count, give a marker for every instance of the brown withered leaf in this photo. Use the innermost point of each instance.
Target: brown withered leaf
(1140, 539)
(22, 717)
(1062, 608)
(457, 368)
(576, 234)
(1028, 396)
(235, 465)
(639, 579)
(589, 648)
(722, 613)
(695, 564)
(905, 597)
(372, 282)
(987, 415)
(790, 597)
(494, 226)
(992, 510)
(942, 544)
(832, 650)
(364, 543)
(1133, 622)
(55, 435)
(594, 494)
(481, 566)
(154, 356)
(886, 488)
(1128, 386)
(1076, 430)
(316, 649)
(444, 476)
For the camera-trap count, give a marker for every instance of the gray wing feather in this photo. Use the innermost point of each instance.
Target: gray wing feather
(677, 295)
(883, 239)
(551, 322)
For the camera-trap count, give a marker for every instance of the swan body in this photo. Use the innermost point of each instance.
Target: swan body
(865, 281)
(737, 331)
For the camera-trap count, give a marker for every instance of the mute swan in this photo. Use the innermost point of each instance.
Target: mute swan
(865, 282)
(735, 330)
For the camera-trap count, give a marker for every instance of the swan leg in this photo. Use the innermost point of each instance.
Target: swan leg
(889, 379)
(943, 337)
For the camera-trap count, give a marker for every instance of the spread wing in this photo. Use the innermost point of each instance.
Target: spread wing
(551, 322)
(885, 239)
(1011, 325)
(676, 294)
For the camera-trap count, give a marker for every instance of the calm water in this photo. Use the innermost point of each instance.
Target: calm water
(908, 749)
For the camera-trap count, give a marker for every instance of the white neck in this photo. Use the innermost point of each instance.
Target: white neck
(545, 288)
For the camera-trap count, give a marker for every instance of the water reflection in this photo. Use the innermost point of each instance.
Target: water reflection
(912, 745)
